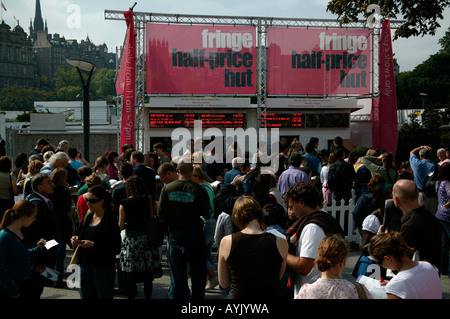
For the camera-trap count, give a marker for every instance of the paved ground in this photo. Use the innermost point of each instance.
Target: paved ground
(160, 285)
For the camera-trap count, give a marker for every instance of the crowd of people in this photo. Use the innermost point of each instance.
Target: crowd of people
(274, 238)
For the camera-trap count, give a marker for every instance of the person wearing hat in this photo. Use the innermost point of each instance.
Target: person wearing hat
(422, 166)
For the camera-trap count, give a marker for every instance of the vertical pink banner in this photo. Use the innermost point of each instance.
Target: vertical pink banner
(318, 61)
(384, 109)
(200, 59)
(125, 83)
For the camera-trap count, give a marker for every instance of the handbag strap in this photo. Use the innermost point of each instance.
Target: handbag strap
(360, 290)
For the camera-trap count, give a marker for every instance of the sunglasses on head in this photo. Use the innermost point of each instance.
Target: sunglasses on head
(92, 200)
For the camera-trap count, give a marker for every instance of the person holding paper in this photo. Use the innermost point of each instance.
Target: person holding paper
(415, 279)
(16, 276)
(100, 242)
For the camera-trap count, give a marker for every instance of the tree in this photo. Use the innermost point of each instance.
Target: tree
(19, 98)
(103, 85)
(421, 17)
(70, 93)
(66, 76)
(445, 42)
(431, 77)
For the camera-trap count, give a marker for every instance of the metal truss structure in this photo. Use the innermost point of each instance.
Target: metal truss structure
(262, 23)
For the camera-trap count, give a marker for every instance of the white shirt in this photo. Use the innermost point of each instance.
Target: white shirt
(324, 174)
(309, 241)
(419, 282)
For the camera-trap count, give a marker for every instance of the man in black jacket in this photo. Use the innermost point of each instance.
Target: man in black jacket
(44, 226)
(420, 229)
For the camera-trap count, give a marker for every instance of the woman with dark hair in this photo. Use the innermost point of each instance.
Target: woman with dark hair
(251, 260)
(8, 186)
(100, 242)
(101, 163)
(152, 161)
(414, 279)
(443, 213)
(111, 169)
(62, 202)
(136, 254)
(20, 169)
(15, 261)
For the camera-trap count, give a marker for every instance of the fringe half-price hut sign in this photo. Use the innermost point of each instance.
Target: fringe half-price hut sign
(318, 61)
(201, 59)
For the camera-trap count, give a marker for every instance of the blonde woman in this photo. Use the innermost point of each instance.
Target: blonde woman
(330, 261)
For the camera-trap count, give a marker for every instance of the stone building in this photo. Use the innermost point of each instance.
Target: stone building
(17, 66)
(32, 59)
(51, 51)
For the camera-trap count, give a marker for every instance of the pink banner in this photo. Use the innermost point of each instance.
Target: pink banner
(125, 83)
(384, 109)
(315, 61)
(201, 59)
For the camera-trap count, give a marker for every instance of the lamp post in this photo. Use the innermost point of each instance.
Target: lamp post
(423, 99)
(89, 67)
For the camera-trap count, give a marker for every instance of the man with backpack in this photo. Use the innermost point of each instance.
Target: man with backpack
(341, 177)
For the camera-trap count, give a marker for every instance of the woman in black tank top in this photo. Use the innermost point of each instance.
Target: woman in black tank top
(251, 261)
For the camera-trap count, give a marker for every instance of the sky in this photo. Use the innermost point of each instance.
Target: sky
(79, 19)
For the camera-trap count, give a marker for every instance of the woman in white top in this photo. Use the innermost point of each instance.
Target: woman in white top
(332, 253)
(415, 279)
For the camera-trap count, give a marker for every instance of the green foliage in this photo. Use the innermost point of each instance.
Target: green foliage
(103, 84)
(421, 17)
(445, 42)
(16, 98)
(66, 76)
(67, 87)
(70, 93)
(25, 116)
(431, 77)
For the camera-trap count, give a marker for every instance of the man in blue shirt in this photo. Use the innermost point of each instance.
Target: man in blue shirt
(313, 162)
(422, 165)
(293, 174)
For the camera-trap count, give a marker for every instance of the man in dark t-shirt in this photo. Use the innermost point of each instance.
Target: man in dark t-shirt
(144, 172)
(183, 207)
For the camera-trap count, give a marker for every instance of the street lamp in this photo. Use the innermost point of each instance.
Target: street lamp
(423, 99)
(89, 67)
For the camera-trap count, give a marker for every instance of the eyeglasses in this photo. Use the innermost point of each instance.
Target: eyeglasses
(92, 200)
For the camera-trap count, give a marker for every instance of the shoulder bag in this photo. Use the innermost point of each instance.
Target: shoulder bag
(360, 289)
(75, 256)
